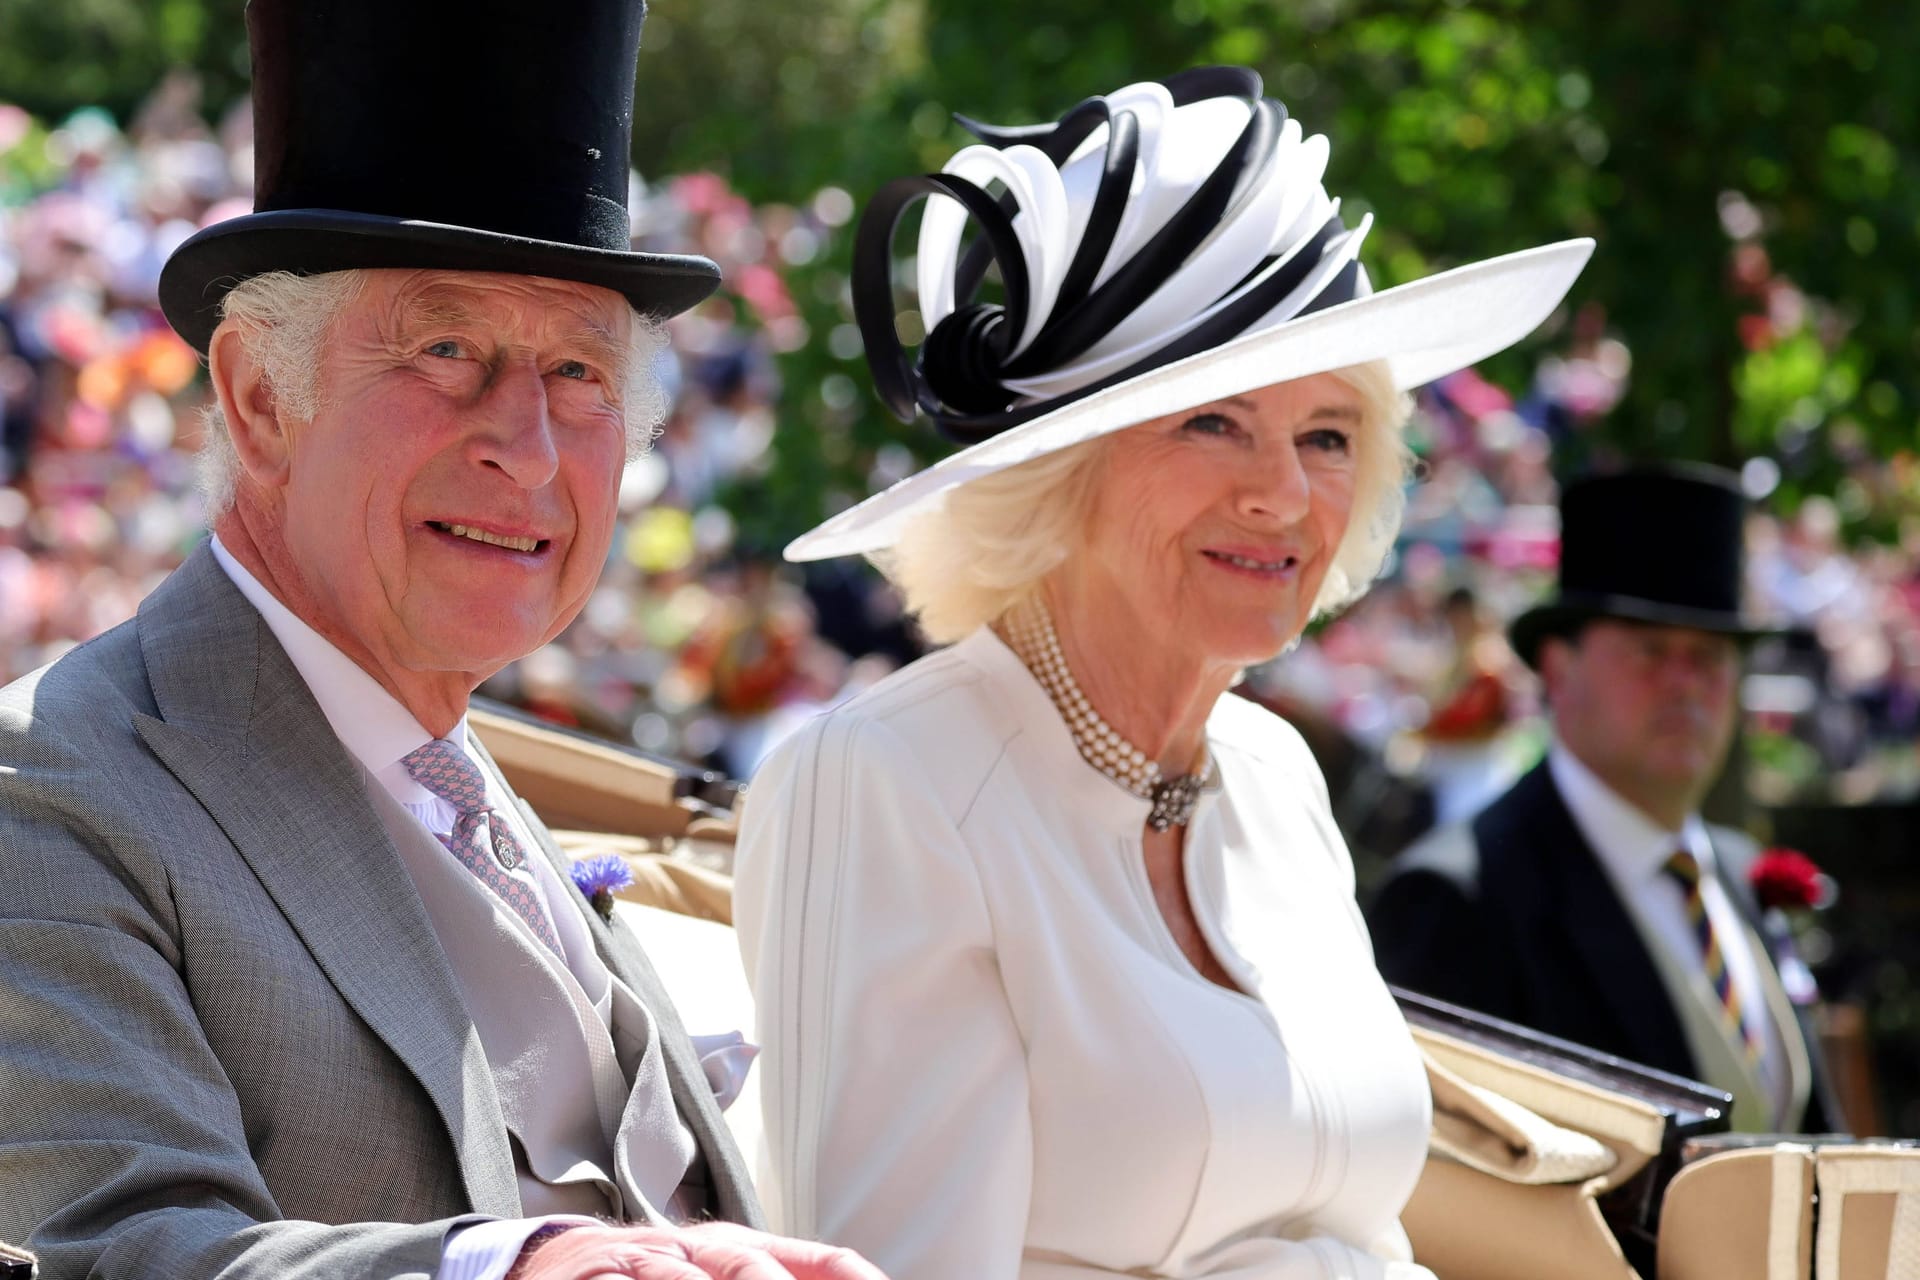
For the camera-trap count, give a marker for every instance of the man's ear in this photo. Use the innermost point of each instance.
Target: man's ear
(1555, 653)
(254, 422)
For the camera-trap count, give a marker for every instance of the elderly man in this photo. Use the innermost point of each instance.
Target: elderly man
(290, 983)
(1591, 901)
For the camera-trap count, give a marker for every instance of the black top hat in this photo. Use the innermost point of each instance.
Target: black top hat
(1661, 545)
(491, 135)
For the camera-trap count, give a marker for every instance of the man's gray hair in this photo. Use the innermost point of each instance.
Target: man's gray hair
(284, 321)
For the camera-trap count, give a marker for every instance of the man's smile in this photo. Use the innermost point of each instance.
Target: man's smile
(474, 533)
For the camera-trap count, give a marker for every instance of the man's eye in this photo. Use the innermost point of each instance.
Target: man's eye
(574, 369)
(446, 349)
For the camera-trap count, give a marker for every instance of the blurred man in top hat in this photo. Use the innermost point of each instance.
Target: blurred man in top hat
(1591, 901)
(291, 985)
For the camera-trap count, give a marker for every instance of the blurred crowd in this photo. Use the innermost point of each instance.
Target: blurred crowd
(701, 645)
(1423, 712)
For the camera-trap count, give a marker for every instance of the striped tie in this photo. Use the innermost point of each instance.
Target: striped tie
(1685, 869)
(481, 839)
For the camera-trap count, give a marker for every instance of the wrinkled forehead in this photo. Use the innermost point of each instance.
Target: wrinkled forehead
(534, 309)
(1663, 635)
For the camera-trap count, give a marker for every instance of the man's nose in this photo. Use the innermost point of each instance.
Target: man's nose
(1692, 676)
(515, 433)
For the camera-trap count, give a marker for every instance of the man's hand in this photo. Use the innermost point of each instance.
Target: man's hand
(716, 1250)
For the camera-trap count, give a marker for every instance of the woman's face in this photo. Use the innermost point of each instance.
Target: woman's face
(1212, 529)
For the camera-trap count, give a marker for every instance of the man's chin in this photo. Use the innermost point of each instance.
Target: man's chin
(477, 653)
(1693, 764)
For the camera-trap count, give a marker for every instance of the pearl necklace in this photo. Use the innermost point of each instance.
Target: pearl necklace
(1031, 635)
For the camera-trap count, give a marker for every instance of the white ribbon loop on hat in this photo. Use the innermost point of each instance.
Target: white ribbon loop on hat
(1150, 105)
(1041, 226)
(1234, 249)
(1281, 218)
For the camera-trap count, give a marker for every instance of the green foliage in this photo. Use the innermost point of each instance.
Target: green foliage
(56, 57)
(761, 91)
(25, 167)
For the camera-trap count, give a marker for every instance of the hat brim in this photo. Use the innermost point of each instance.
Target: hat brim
(310, 241)
(1568, 612)
(1423, 330)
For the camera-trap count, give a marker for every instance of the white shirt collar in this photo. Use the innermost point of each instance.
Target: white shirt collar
(370, 722)
(1633, 847)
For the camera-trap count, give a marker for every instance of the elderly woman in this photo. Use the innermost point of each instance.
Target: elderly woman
(1057, 963)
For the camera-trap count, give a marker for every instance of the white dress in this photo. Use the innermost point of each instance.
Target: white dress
(984, 1056)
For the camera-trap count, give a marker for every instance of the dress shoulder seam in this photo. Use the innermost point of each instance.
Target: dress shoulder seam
(986, 776)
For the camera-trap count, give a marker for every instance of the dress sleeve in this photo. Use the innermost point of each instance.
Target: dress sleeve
(893, 1077)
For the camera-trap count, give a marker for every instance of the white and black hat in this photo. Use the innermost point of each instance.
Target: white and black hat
(1158, 248)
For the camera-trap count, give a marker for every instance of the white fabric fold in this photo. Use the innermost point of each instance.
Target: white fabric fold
(725, 1059)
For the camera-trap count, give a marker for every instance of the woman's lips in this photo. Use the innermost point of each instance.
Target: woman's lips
(1268, 564)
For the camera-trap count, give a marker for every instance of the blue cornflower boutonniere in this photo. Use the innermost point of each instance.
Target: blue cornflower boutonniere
(599, 878)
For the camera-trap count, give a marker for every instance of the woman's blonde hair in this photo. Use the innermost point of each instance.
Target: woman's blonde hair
(994, 540)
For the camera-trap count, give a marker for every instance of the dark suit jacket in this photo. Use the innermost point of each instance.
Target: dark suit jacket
(1519, 920)
(230, 1044)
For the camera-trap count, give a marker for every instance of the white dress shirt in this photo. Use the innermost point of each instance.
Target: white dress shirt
(984, 1055)
(1633, 849)
(378, 732)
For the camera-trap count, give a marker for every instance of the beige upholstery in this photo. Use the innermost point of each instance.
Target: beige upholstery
(1745, 1214)
(1868, 1213)
(1489, 1132)
(575, 782)
(1518, 1158)
(1794, 1212)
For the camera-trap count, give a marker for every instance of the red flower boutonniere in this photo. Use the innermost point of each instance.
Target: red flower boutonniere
(1788, 880)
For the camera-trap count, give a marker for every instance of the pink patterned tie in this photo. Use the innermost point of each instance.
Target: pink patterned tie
(488, 848)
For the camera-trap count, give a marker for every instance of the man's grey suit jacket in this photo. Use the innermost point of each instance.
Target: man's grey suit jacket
(230, 1044)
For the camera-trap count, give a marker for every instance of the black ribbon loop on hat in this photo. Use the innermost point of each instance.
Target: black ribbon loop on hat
(963, 357)
(1232, 320)
(893, 374)
(965, 363)
(1103, 219)
(1344, 287)
(1057, 143)
(1197, 84)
